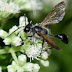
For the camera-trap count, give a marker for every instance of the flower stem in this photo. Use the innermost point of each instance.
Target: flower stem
(5, 51)
(14, 55)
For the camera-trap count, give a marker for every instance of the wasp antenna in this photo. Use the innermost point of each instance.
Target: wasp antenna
(14, 31)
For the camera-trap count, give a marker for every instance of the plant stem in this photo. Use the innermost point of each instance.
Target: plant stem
(4, 51)
(14, 55)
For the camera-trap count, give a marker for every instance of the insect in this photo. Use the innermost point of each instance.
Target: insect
(55, 16)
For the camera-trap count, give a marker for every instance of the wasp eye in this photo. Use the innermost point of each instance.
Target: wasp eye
(63, 38)
(27, 28)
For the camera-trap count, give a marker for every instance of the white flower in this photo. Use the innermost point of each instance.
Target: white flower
(13, 29)
(10, 7)
(33, 51)
(3, 34)
(44, 55)
(20, 69)
(28, 67)
(0, 69)
(31, 67)
(36, 67)
(44, 63)
(14, 65)
(22, 59)
(17, 41)
(7, 41)
(22, 21)
(10, 68)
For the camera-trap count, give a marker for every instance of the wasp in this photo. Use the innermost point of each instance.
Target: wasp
(55, 16)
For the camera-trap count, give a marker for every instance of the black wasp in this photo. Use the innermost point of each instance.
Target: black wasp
(55, 16)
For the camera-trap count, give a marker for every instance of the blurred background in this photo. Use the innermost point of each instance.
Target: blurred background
(36, 11)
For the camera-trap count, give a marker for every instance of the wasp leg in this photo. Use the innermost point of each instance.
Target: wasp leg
(29, 36)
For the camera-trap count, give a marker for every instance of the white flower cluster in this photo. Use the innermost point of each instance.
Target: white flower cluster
(30, 4)
(23, 65)
(32, 48)
(33, 51)
(14, 39)
(10, 7)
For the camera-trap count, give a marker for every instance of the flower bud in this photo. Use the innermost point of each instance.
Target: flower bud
(44, 63)
(22, 59)
(16, 41)
(7, 41)
(29, 67)
(10, 69)
(36, 67)
(3, 34)
(20, 69)
(13, 29)
(14, 65)
(44, 55)
(22, 21)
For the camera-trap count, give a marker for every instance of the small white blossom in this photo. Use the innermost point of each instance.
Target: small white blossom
(36, 67)
(44, 55)
(44, 63)
(0, 69)
(10, 68)
(10, 7)
(20, 69)
(13, 29)
(3, 34)
(7, 41)
(22, 59)
(29, 67)
(14, 64)
(33, 51)
(17, 41)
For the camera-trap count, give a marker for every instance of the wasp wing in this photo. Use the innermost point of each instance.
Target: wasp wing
(56, 15)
